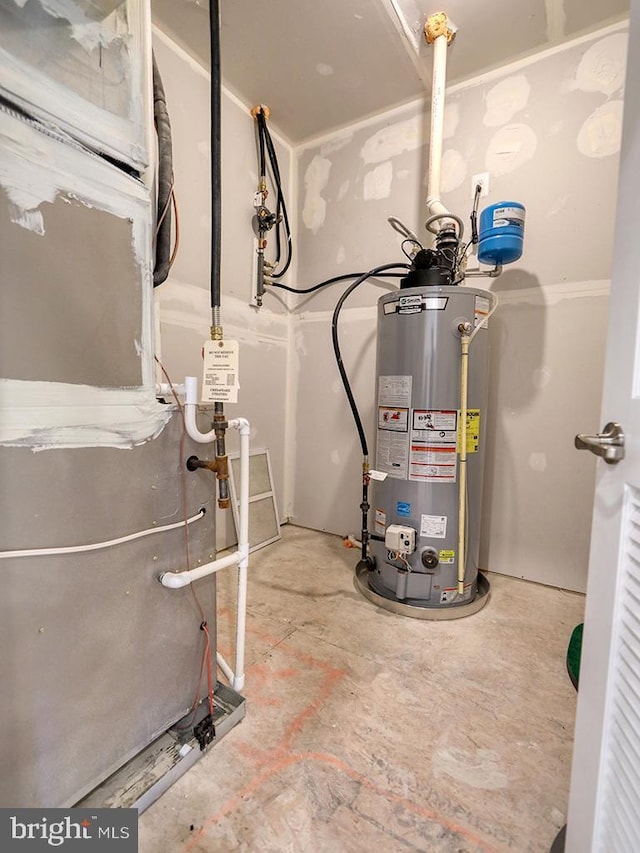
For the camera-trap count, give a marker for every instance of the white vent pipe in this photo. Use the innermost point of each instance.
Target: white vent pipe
(437, 32)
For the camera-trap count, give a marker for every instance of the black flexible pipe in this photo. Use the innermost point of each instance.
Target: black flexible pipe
(216, 220)
(364, 506)
(216, 179)
(282, 216)
(165, 180)
(329, 281)
(263, 166)
(338, 355)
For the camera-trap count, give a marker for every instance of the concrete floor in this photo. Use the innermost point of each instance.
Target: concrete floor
(368, 731)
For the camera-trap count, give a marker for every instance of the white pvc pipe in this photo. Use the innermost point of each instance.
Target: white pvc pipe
(243, 549)
(177, 580)
(434, 205)
(224, 666)
(190, 404)
(165, 389)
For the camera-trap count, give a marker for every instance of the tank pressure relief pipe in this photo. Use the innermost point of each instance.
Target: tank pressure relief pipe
(465, 338)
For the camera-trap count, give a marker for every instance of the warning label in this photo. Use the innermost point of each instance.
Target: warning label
(447, 556)
(394, 400)
(435, 420)
(220, 373)
(392, 453)
(432, 464)
(473, 431)
(393, 419)
(380, 524)
(433, 454)
(481, 312)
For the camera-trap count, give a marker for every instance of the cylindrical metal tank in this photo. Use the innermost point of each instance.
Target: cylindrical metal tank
(418, 421)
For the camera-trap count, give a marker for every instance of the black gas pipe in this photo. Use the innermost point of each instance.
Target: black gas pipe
(219, 419)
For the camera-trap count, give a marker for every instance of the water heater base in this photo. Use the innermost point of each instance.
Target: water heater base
(361, 582)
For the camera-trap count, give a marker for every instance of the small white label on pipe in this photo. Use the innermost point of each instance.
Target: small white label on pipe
(220, 374)
(378, 475)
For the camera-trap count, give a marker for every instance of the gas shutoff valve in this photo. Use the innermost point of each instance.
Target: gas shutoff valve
(400, 538)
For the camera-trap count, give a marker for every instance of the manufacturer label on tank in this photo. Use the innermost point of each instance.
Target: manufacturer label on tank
(433, 452)
(409, 304)
(473, 431)
(403, 508)
(433, 526)
(416, 304)
(380, 524)
(504, 216)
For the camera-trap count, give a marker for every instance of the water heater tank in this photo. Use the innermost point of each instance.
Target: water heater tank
(414, 509)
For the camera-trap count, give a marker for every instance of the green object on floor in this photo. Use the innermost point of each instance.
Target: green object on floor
(573, 654)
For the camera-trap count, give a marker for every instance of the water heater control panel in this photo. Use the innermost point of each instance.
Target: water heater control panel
(400, 538)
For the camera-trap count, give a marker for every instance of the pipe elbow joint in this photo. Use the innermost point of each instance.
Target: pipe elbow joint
(242, 425)
(173, 580)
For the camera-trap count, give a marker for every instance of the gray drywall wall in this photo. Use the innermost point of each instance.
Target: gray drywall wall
(548, 132)
(183, 301)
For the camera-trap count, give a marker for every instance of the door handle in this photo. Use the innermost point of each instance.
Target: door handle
(608, 444)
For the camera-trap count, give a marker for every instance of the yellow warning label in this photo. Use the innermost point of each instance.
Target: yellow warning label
(473, 430)
(447, 556)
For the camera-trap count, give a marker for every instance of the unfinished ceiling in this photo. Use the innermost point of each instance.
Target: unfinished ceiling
(320, 65)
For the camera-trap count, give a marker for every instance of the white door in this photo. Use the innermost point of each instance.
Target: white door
(604, 802)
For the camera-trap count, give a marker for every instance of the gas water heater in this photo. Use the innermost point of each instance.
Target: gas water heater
(414, 524)
(424, 512)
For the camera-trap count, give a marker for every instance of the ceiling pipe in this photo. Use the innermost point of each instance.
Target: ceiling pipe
(440, 32)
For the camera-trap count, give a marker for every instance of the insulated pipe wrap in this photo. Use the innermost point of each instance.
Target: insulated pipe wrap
(165, 179)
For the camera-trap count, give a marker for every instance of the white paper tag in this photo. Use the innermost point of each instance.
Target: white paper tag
(378, 475)
(220, 373)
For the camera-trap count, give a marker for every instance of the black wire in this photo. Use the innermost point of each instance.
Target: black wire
(414, 242)
(474, 215)
(338, 355)
(333, 280)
